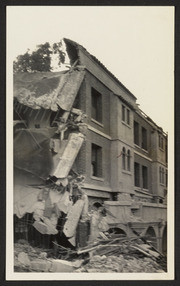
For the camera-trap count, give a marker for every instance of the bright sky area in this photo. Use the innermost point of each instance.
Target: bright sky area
(135, 43)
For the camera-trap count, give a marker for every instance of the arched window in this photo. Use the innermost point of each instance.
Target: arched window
(128, 160)
(123, 158)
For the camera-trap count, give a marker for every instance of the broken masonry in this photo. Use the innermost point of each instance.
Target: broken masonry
(48, 199)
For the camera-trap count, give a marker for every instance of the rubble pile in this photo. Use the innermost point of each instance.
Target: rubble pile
(120, 263)
(123, 254)
(25, 254)
(126, 256)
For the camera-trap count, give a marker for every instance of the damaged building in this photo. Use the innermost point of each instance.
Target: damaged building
(86, 158)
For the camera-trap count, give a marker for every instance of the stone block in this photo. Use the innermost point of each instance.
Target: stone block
(23, 258)
(59, 265)
(40, 265)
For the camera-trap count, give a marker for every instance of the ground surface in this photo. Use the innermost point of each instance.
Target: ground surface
(31, 259)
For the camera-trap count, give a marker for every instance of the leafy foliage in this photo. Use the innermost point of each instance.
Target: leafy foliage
(57, 48)
(40, 59)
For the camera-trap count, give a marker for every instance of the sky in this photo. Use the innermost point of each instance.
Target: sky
(135, 43)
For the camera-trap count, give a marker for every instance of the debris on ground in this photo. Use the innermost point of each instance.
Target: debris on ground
(122, 254)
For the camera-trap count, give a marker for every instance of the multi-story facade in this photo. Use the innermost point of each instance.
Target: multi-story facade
(125, 151)
(124, 155)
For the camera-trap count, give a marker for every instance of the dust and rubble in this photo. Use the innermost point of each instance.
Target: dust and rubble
(120, 254)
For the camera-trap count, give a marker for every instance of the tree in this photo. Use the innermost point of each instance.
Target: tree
(57, 48)
(22, 64)
(40, 59)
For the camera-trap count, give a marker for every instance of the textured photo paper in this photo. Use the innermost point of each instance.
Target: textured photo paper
(89, 123)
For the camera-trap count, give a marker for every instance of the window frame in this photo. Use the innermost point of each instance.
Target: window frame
(136, 133)
(96, 105)
(145, 177)
(136, 178)
(128, 117)
(97, 166)
(123, 158)
(128, 160)
(123, 117)
(144, 141)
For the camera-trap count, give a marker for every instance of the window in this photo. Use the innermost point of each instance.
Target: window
(128, 160)
(136, 174)
(145, 177)
(128, 117)
(96, 160)
(161, 142)
(162, 176)
(123, 113)
(136, 133)
(124, 158)
(144, 138)
(96, 105)
(166, 178)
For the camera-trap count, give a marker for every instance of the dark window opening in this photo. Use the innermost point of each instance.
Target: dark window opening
(161, 142)
(123, 113)
(96, 160)
(96, 104)
(124, 158)
(136, 133)
(151, 236)
(128, 117)
(163, 176)
(144, 138)
(166, 152)
(166, 179)
(128, 160)
(136, 175)
(37, 125)
(160, 175)
(145, 177)
(55, 117)
(117, 232)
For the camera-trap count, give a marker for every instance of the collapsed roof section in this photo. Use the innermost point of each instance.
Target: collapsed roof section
(48, 90)
(72, 48)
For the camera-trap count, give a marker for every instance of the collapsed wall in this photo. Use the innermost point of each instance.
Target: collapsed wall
(48, 134)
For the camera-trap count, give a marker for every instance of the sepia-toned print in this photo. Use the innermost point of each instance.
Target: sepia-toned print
(90, 169)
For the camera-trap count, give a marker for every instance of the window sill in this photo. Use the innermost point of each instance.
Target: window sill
(139, 147)
(126, 124)
(97, 122)
(126, 172)
(163, 185)
(97, 178)
(162, 150)
(143, 191)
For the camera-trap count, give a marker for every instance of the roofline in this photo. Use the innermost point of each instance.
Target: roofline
(80, 47)
(125, 101)
(143, 115)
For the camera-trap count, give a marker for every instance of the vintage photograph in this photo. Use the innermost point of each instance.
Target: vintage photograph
(90, 142)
